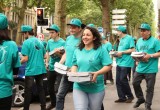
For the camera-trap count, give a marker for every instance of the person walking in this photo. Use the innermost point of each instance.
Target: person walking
(90, 57)
(108, 46)
(52, 45)
(71, 44)
(9, 64)
(124, 63)
(147, 67)
(33, 52)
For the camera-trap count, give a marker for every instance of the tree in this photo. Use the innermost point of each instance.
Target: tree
(137, 12)
(20, 11)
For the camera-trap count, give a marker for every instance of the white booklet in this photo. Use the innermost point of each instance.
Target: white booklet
(51, 53)
(138, 56)
(61, 66)
(79, 76)
(60, 71)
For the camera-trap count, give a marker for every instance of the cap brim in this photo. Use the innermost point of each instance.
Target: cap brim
(74, 25)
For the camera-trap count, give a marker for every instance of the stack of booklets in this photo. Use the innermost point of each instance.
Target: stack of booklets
(51, 53)
(113, 53)
(60, 68)
(79, 77)
(138, 56)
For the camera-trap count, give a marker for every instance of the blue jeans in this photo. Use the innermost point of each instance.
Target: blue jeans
(87, 101)
(62, 92)
(123, 88)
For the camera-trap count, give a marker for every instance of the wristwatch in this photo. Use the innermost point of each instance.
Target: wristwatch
(151, 56)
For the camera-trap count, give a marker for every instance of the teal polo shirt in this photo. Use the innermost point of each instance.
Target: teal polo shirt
(34, 49)
(51, 45)
(125, 43)
(91, 61)
(70, 46)
(9, 59)
(150, 46)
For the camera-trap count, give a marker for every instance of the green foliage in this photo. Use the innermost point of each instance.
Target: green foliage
(12, 24)
(86, 10)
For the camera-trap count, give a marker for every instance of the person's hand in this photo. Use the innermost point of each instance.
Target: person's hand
(146, 58)
(94, 78)
(47, 65)
(119, 54)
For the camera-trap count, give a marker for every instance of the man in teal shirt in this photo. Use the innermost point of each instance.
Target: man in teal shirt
(9, 64)
(33, 52)
(71, 44)
(148, 67)
(53, 44)
(124, 63)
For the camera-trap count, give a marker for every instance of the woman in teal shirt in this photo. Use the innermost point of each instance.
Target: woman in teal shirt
(90, 57)
(9, 64)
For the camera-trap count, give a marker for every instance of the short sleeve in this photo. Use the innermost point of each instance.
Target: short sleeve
(25, 49)
(47, 47)
(157, 45)
(16, 59)
(105, 58)
(74, 59)
(132, 44)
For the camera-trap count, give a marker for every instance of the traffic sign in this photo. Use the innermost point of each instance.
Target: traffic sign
(118, 11)
(118, 22)
(118, 16)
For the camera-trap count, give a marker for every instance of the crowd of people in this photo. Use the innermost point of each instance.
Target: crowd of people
(86, 50)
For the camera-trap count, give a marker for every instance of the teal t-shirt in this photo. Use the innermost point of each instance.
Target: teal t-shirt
(150, 46)
(108, 46)
(9, 59)
(34, 49)
(50, 47)
(125, 43)
(91, 61)
(70, 46)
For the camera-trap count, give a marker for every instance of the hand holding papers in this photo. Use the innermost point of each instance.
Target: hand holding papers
(138, 56)
(57, 51)
(113, 53)
(79, 77)
(60, 68)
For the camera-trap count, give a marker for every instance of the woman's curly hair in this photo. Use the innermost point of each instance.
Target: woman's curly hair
(98, 40)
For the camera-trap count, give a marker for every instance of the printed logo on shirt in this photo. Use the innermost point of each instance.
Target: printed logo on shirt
(3, 54)
(37, 45)
(144, 47)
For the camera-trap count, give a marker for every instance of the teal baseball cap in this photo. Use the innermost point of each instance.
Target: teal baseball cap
(91, 25)
(76, 22)
(54, 27)
(26, 28)
(121, 28)
(3, 21)
(145, 26)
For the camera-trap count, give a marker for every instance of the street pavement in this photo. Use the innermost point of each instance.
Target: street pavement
(111, 96)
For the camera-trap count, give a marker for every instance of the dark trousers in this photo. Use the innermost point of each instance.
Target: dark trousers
(108, 76)
(62, 92)
(150, 81)
(52, 76)
(123, 88)
(29, 80)
(5, 103)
